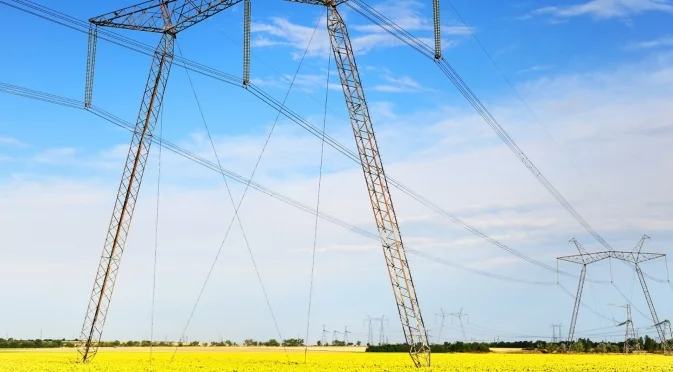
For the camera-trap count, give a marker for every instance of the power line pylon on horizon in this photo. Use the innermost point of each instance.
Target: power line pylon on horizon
(633, 257)
(630, 335)
(324, 336)
(460, 316)
(443, 315)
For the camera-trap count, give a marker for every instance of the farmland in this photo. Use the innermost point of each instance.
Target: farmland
(242, 360)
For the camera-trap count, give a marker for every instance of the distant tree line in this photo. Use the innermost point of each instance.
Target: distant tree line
(11, 343)
(339, 343)
(581, 345)
(447, 347)
(585, 345)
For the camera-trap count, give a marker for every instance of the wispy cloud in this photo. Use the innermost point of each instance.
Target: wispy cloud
(367, 37)
(664, 41)
(403, 84)
(603, 9)
(534, 68)
(59, 155)
(11, 142)
(281, 32)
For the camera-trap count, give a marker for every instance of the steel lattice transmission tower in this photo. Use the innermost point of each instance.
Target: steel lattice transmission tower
(630, 330)
(443, 315)
(460, 316)
(168, 18)
(323, 339)
(634, 257)
(377, 185)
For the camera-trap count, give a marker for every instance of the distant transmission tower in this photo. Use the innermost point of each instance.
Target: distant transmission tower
(460, 316)
(335, 337)
(630, 330)
(441, 326)
(634, 257)
(382, 331)
(370, 329)
(346, 332)
(324, 336)
(556, 337)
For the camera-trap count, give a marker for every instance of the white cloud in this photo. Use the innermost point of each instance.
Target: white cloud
(405, 13)
(606, 9)
(285, 33)
(664, 41)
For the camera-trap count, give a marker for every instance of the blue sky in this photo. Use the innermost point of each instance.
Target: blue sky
(596, 73)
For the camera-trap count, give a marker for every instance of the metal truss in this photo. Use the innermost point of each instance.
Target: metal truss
(630, 335)
(163, 16)
(377, 186)
(127, 195)
(634, 257)
(146, 16)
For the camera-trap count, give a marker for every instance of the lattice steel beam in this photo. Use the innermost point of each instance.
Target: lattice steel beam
(120, 223)
(163, 16)
(153, 16)
(377, 186)
(578, 299)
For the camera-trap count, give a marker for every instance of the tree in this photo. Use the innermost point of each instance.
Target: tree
(272, 342)
(649, 344)
(249, 342)
(358, 343)
(319, 343)
(578, 347)
(293, 342)
(602, 348)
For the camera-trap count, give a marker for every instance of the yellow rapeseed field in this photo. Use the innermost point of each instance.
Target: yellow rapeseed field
(34, 361)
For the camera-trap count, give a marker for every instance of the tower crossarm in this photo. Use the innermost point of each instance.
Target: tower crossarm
(163, 16)
(586, 258)
(635, 257)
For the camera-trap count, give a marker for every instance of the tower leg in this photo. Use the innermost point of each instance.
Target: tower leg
(108, 268)
(657, 324)
(379, 193)
(578, 298)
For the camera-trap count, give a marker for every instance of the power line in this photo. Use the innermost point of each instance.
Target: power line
(317, 209)
(67, 102)
(476, 103)
(280, 107)
(236, 217)
(156, 233)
